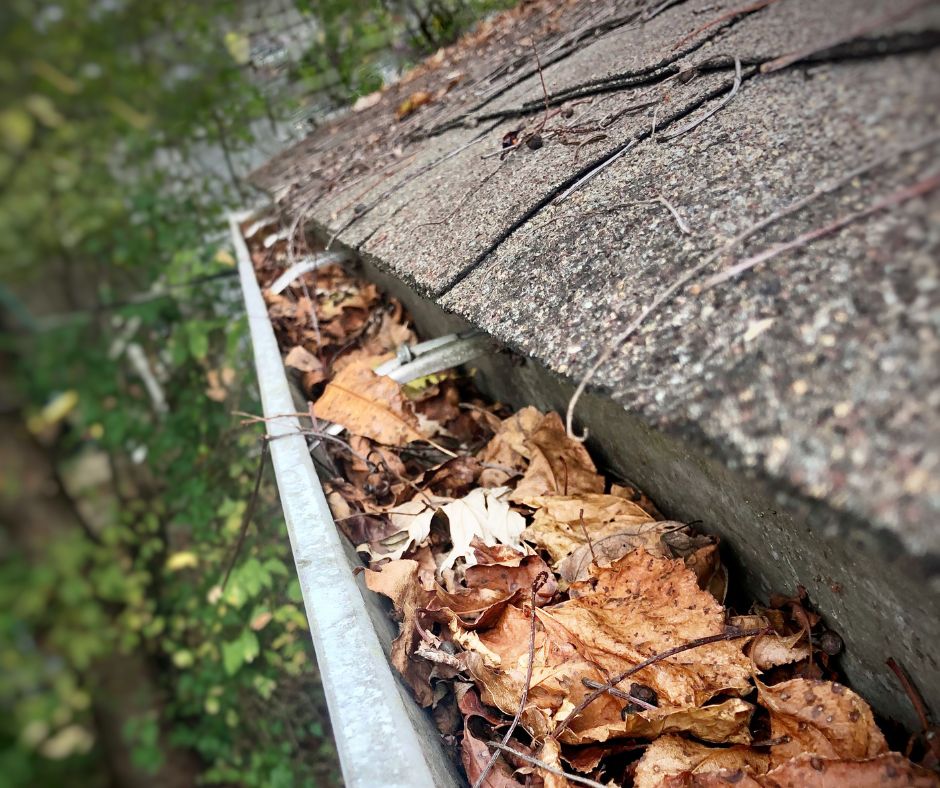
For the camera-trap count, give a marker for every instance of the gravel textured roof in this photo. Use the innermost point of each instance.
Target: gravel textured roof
(818, 368)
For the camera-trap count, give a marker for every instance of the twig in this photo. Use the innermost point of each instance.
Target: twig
(666, 295)
(618, 693)
(538, 65)
(596, 171)
(723, 103)
(867, 27)
(547, 767)
(587, 538)
(539, 581)
(734, 12)
(249, 511)
(913, 694)
(901, 195)
(683, 227)
(589, 699)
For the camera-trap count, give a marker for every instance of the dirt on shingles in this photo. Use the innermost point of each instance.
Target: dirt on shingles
(482, 64)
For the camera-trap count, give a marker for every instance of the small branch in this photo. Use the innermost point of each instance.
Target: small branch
(589, 699)
(538, 65)
(547, 767)
(249, 511)
(619, 694)
(539, 581)
(596, 171)
(723, 103)
(901, 195)
(587, 538)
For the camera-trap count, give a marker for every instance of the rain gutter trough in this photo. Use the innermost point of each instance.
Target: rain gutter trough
(382, 737)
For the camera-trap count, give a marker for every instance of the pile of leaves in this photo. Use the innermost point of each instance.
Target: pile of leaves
(558, 627)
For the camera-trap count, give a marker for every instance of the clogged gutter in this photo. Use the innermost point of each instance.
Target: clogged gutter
(559, 629)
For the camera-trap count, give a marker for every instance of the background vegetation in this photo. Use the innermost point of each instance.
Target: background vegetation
(125, 128)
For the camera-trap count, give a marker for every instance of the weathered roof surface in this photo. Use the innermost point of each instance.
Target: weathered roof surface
(819, 367)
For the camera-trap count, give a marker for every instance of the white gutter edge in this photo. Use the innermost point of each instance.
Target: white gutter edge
(376, 734)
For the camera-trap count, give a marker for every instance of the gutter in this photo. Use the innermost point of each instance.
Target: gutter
(382, 737)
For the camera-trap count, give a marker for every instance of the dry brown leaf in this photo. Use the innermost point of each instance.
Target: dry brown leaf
(556, 526)
(772, 650)
(369, 405)
(398, 580)
(671, 755)
(507, 448)
(890, 770)
(638, 497)
(640, 606)
(300, 358)
(820, 718)
(558, 465)
(474, 754)
(411, 104)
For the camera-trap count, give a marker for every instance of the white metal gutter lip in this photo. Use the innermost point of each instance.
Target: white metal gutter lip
(377, 736)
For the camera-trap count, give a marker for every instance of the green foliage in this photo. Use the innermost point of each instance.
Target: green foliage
(109, 228)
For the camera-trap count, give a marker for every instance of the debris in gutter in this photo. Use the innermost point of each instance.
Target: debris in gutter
(561, 630)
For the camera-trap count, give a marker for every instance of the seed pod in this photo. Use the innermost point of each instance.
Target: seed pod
(534, 142)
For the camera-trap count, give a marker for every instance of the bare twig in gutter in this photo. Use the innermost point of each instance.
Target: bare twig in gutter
(666, 295)
(619, 694)
(863, 29)
(603, 688)
(539, 581)
(587, 538)
(902, 195)
(728, 15)
(546, 767)
(723, 103)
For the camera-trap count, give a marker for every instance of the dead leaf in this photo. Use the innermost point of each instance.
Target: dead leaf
(484, 515)
(609, 521)
(300, 358)
(369, 405)
(640, 606)
(890, 770)
(700, 553)
(820, 718)
(506, 453)
(474, 755)
(671, 755)
(413, 103)
(558, 465)
(638, 497)
(398, 580)
(772, 650)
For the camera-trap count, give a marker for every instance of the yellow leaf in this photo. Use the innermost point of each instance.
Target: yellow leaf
(181, 560)
(238, 46)
(16, 129)
(224, 257)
